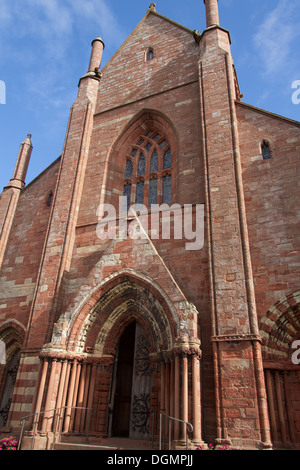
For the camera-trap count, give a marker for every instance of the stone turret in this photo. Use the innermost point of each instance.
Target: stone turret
(212, 13)
(11, 193)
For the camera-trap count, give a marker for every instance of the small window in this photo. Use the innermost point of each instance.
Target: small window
(150, 54)
(265, 150)
(50, 199)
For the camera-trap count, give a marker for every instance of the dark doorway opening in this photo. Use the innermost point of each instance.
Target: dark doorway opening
(123, 383)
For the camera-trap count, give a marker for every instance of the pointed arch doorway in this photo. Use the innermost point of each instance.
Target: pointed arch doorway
(131, 385)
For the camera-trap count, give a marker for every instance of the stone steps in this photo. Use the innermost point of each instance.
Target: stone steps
(105, 444)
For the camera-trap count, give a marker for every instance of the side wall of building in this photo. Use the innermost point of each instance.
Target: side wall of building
(272, 194)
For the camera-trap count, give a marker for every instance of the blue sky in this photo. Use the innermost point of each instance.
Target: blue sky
(45, 49)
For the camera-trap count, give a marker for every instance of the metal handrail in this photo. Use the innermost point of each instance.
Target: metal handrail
(191, 428)
(56, 414)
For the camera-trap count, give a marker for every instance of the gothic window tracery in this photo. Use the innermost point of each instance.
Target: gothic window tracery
(148, 170)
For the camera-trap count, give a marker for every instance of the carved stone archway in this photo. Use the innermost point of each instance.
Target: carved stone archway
(83, 354)
(280, 330)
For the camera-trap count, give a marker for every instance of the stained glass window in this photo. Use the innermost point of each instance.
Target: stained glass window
(148, 160)
(167, 160)
(141, 165)
(154, 162)
(153, 192)
(139, 195)
(126, 194)
(128, 171)
(167, 189)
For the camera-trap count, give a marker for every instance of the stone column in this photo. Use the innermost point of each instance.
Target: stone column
(92, 389)
(48, 415)
(184, 394)
(196, 399)
(70, 397)
(176, 395)
(79, 403)
(41, 389)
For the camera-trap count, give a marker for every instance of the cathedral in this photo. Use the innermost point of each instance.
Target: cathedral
(149, 280)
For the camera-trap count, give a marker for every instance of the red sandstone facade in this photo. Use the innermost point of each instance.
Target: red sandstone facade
(128, 327)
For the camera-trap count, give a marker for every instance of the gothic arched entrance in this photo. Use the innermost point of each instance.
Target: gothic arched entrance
(124, 355)
(280, 331)
(11, 338)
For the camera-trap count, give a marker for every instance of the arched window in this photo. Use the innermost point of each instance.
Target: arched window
(148, 170)
(265, 150)
(150, 54)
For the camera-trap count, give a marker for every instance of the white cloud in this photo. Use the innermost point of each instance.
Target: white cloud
(49, 40)
(276, 39)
